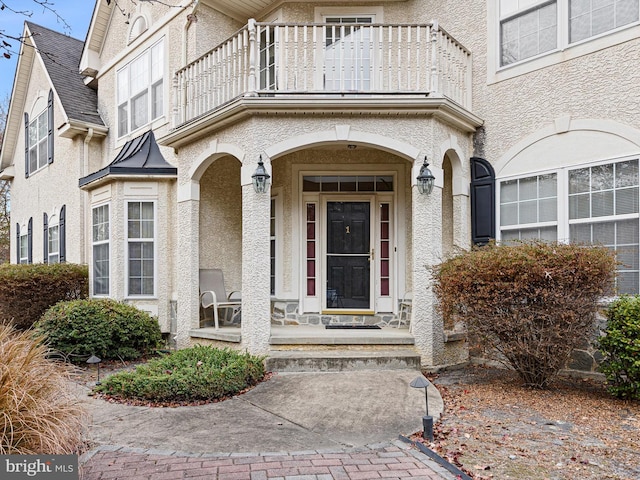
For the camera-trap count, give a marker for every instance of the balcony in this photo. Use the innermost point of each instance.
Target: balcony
(318, 66)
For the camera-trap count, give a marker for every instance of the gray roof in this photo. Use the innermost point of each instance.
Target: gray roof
(61, 56)
(139, 156)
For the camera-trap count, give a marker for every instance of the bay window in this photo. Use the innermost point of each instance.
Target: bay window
(101, 250)
(141, 248)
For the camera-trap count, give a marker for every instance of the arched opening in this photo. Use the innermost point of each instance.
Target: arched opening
(220, 223)
(340, 214)
(447, 209)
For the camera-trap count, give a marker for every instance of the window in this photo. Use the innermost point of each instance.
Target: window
(140, 252)
(347, 53)
(532, 27)
(272, 239)
(588, 18)
(53, 242)
(100, 245)
(140, 90)
(603, 209)
(54, 237)
(24, 249)
(528, 208)
(312, 227)
(348, 183)
(38, 136)
(601, 206)
(24, 242)
(38, 142)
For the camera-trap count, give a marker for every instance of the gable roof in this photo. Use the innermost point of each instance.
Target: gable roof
(139, 156)
(61, 56)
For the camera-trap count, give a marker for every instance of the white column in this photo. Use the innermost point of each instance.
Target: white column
(188, 263)
(428, 328)
(256, 264)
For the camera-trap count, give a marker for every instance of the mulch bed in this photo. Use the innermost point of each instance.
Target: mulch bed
(492, 427)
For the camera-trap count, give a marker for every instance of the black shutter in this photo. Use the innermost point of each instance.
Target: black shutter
(62, 238)
(50, 122)
(26, 144)
(483, 200)
(17, 243)
(30, 241)
(45, 236)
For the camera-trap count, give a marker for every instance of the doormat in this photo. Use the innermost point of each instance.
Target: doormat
(348, 327)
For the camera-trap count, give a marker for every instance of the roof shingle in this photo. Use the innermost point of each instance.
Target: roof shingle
(61, 56)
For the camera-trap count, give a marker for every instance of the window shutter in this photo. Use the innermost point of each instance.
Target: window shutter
(30, 241)
(45, 236)
(17, 243)
(62, 237)
(50, 122)
(483, 199)
(26, 145)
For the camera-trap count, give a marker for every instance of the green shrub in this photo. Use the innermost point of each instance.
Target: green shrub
(27, 291)
(38, 415)
(620, 346)
(531, 302)
(192, 374)
(102, 327)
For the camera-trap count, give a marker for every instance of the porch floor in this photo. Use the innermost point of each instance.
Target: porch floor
(314, 335)
(319, 335)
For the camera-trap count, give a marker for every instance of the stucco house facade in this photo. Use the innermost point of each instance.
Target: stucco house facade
(524, 110)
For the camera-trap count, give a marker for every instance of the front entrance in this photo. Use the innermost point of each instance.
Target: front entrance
(348, 255)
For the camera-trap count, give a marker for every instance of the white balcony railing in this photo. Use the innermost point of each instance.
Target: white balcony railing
(326, 59)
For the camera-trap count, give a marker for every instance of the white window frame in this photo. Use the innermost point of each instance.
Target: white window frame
(53, 256)
(152, 240)
(34, 149)
(105, 241)
(125, 97)
(321, 14)
(24, 247)
(563, 220)
(277, 199)
(565, 50)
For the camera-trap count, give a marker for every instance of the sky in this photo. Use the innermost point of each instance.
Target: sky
(77, 13)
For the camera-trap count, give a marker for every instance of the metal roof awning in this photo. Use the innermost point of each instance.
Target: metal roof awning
(139, 156)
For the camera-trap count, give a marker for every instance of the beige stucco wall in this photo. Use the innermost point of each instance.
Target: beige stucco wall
(265, 135)
(600, 85)
(34, 196)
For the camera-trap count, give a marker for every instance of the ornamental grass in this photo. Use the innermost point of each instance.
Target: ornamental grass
(38, 414)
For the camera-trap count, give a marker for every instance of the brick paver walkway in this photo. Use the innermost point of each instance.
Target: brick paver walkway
(395, 460)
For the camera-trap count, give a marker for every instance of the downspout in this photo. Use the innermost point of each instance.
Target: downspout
(84, 197)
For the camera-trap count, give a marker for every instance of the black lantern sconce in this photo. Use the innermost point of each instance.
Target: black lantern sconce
(260, 178)
(425, 179)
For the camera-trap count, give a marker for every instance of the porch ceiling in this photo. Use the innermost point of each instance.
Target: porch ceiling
(242, 10)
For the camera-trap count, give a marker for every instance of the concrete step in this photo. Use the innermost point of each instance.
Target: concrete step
(342, 360)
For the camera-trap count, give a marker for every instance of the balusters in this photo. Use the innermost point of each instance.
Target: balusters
(332, 57)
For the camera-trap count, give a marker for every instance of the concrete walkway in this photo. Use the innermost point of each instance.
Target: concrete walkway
(302, 426)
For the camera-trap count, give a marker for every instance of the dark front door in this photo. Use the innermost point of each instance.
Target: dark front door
(348, 249)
